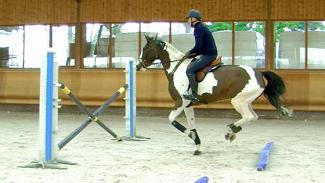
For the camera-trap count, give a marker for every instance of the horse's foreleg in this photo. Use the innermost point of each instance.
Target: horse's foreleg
(172, 119)
(189, 113)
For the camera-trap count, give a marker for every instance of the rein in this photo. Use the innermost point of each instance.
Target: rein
(177, 65)
(178, 60)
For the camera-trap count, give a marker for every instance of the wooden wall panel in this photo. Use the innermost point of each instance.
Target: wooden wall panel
(170, 10)
(37, 11)
(305, 90)
(101, 10)
(248, 10)
(63, 11)
(221, 10)
(15, 12)
(297, 9)
(124, 10)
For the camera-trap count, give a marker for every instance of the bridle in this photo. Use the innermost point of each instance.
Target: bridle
(173, 71)
(156, 57)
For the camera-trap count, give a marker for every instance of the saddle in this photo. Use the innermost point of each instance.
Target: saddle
(200, 75)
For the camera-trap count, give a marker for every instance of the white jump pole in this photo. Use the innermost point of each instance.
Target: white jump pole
(130, 99)
(48, 115)
(48, 109)
(130, 103)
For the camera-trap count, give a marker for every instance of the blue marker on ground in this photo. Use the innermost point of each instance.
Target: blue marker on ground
(264, 157)
(204, 179)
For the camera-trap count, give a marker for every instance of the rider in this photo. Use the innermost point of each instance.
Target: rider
(204, 46)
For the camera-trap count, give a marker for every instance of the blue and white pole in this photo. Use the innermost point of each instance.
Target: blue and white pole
(130, 99)
(48, 109)
(48, 115)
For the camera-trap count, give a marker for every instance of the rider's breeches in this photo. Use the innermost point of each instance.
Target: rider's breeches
(199, 64)
(194, 67)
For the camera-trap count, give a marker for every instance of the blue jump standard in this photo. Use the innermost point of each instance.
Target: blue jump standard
(132, 134)
(264, 157)
(49, 107)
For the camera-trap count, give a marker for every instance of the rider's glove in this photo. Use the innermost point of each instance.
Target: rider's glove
(189, 55)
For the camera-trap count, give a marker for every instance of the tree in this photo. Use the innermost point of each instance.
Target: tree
(116, 28)
(287, 26)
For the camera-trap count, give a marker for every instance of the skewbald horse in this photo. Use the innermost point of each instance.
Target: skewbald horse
(241, 84)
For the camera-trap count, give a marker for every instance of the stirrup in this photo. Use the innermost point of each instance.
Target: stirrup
(192, 98)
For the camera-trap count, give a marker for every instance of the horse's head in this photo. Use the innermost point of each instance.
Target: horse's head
(151, 51)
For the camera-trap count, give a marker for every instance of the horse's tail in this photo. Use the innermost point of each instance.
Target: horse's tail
(274, 89)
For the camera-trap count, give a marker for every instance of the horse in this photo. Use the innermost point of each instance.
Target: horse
(239, 83)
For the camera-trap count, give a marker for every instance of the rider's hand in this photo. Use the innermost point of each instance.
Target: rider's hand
(189, 55)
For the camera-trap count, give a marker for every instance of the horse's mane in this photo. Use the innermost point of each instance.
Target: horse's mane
(172, 50)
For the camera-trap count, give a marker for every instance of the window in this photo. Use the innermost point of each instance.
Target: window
(11, 46)
(26, 46)
(96, 46)
(290, 45)
(316, 45)
(222, 34)
(64, 44)
(36, 45)
(298, 44)
(159, 29)
(250, 44)
(249, 41)
(126, 43)
(182, 36)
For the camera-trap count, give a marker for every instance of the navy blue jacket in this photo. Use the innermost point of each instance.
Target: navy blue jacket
(204, 42)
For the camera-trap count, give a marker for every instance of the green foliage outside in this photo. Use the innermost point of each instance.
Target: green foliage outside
(260, 27)
(296, 26)
(116, 28)
(239, 26)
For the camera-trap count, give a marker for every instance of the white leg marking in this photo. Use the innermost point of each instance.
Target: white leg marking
(243, 104)
(252, 111)
(244, 111)
(174, 113)
(189, 113)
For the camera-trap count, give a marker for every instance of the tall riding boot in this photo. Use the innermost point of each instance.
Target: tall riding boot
(193, 85)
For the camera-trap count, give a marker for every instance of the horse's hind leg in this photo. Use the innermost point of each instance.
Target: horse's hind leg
(244, 108)
(234, 128)
(189, 113)
(252, 111)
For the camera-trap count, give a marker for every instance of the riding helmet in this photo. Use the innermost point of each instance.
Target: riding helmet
(193, 13)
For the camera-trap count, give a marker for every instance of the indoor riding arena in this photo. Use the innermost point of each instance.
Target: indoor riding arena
(99, 91)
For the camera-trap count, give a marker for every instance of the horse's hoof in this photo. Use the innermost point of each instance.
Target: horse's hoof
(197, 153)
(230, 136)
(227, 136)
